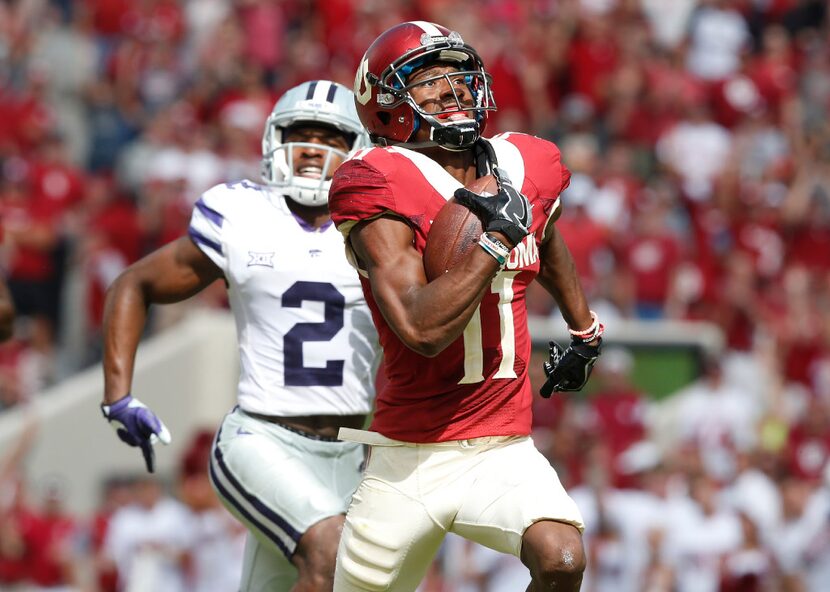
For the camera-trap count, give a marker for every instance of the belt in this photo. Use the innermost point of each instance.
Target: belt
(290, 428)
(377, 439)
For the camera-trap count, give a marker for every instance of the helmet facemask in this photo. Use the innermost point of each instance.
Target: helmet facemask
(451, 128)
(311, 104)
(278, 165)
(451, 133)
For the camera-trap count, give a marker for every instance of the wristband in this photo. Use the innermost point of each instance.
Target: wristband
(494, 247)
(595, 330)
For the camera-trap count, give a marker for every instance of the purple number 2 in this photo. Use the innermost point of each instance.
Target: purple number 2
(296, 373)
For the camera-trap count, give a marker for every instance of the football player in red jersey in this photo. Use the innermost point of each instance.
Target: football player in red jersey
(450, 445)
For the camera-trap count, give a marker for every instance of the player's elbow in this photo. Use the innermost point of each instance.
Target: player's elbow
(421, 333)
(424, 344)
(127, 285)
(427, 350)
(118, 285)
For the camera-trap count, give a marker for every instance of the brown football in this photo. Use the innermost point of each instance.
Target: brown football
(454, 231)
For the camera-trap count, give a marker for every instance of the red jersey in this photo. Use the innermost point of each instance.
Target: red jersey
(478, 386)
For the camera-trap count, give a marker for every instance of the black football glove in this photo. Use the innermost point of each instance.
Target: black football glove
(507, 212)
(569, 370)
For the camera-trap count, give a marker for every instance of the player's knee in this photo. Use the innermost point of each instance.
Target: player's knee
(556, 555)
(314, 582)
(316, 576)
(564, 563)
(316, 553)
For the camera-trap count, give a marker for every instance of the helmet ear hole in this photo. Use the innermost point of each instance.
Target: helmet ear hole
(384, 117)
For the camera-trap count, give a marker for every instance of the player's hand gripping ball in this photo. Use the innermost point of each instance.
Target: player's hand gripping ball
(507, 211)
(455, 231)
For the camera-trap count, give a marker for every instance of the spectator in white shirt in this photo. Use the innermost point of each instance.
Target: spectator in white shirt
(717, 38)
(149, 541)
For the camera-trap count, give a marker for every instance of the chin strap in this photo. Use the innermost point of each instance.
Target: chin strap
(455, 138)
(499, 173)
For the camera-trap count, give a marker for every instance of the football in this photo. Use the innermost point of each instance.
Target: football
(454, 231)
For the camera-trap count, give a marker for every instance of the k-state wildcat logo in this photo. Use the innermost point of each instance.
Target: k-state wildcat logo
(261, 259)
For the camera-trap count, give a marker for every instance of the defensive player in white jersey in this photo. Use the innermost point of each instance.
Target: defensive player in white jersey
(308, 348)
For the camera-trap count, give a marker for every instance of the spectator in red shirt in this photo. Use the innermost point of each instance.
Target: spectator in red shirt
(247, 103)
(618, 189)
(795, 318)
(809, 237)
(650, 257)
(593, 57)
(154, 21)
(808, 443)
(775, 70)
(32, 118)
(588, 240)
(265, 31)
(735, 98)
(16, 522)
(16, 517)
(53, 562)
(53, 178)
(30, 237)
(734, 303)
(107, 16)
(112, 238)
(617, 411)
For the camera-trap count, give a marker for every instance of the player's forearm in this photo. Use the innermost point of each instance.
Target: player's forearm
(429, 317)
(173, 273)
(559, 277)
(170, 274)
(125, 314)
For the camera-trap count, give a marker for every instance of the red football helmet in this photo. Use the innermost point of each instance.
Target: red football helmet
(383, 100)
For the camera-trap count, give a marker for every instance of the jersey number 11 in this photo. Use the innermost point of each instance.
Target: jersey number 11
(473, 348)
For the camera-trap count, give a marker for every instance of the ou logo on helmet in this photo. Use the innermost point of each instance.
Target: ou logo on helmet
(362, 89)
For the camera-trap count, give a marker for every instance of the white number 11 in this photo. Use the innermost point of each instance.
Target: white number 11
(473, 348)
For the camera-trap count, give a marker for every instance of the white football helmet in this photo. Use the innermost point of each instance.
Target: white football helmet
(315, 102)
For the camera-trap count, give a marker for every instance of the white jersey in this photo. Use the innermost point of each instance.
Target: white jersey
(307, 344)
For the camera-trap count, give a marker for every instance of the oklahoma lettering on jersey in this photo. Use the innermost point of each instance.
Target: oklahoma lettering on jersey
(307, 345)
(477, 386)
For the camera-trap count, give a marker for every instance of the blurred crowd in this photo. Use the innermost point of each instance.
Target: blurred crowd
(146, 535)
(698, 136)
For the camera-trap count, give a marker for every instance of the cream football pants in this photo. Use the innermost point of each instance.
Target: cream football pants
(488, 490)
